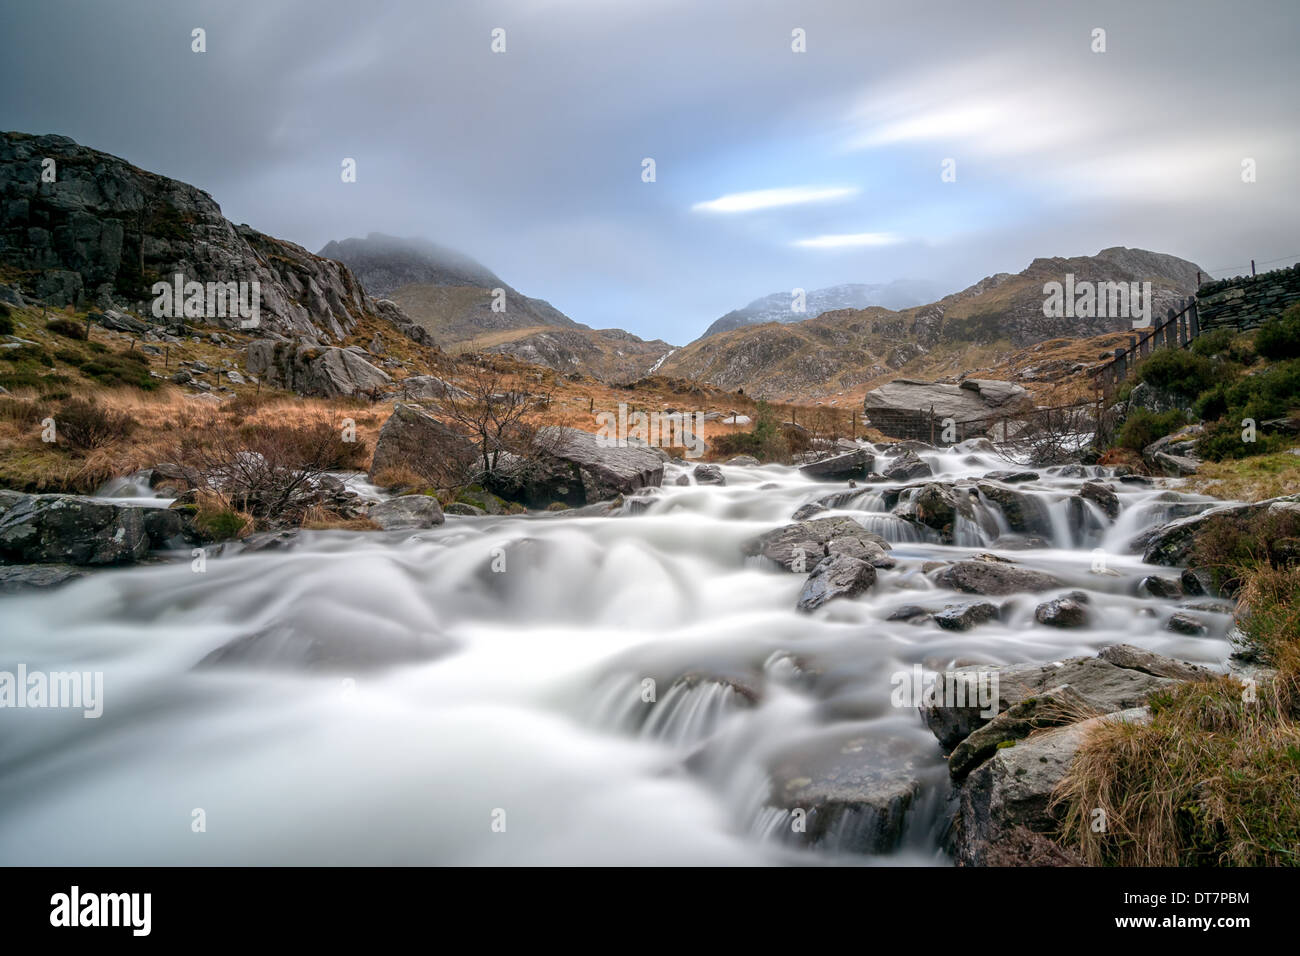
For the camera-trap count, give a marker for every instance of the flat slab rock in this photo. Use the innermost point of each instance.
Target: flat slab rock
(993, 578)
(855, 791)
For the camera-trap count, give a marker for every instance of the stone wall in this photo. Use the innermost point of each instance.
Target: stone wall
(1246, 301)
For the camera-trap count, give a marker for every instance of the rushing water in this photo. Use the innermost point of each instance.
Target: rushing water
(518, 650)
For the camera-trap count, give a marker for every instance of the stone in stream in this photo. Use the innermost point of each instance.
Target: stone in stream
(1055, 707)
(962, 617)
(323, 645)
(71, 529)
(409, 512)
(33, 577)
(709, 475)
(804, 512)
(836, 576)
(1011, 477)
(464, 510)
(1102, 496)
(908, 467)
(850, 793)
(1185, 624)
(907, 612)
(1025, 513)
(992, 578)
(743, 461)
(856, 464)
(1062, 612)
(807, 542)
(1160, 587)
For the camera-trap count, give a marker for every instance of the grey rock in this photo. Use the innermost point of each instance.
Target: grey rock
(406, 513)
(1062, 612)
(856, 464)
(908, 467)
(993, 578)
(69, 529)
(836, 576)
(709, 475)
(36, 577)
(810, 540)
(963, 617)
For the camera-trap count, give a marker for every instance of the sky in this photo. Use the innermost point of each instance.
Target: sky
(774, 168)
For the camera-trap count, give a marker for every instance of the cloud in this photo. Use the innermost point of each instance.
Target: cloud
(774, 198)
(843, 240)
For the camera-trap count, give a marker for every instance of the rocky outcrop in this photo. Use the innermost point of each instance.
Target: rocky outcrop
(1007, 765)
(1170, 544)
(104, 231)
(326, 371)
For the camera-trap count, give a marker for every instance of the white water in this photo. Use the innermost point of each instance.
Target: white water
(534, 707)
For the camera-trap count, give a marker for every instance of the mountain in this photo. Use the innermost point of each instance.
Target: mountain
(450, 294)
(82, 227)
(899, 294)
(445, 291)
(841, 351)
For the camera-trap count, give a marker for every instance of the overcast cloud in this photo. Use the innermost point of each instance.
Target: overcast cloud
(774, 169)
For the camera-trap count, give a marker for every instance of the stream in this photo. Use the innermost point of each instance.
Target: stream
(476, 693)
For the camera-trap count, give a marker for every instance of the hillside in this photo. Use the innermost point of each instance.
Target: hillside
(840, 351)
(899, 294)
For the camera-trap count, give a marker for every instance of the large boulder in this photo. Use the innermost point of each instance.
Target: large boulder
(414, 440)
(69, 529)
(904, 407)
(315, 370)
(574, 468)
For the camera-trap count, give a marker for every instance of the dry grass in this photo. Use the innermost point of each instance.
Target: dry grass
(1248, 479)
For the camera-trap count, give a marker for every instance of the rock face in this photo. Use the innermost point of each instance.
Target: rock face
(314, 370)
(104, 231)
(409, 512)
(902, 408)
(414, 440)
(836, 576)
(986, 577)
(68, 529)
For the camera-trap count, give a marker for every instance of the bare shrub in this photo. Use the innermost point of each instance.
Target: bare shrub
(85, 425)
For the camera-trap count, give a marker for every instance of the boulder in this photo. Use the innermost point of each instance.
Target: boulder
(907, 467)
(808, 541)
(905, 407)
(992, 578)
(70, 529)
(314, 370)
(1062, 612)
(745, 461)
(1025, 513)
(855, 464)
(708, 475)
(406, 513)
(962, 617)
(1102, 496)
(1160, 587)
(836, 576)
(414, 440)
(605, 472)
